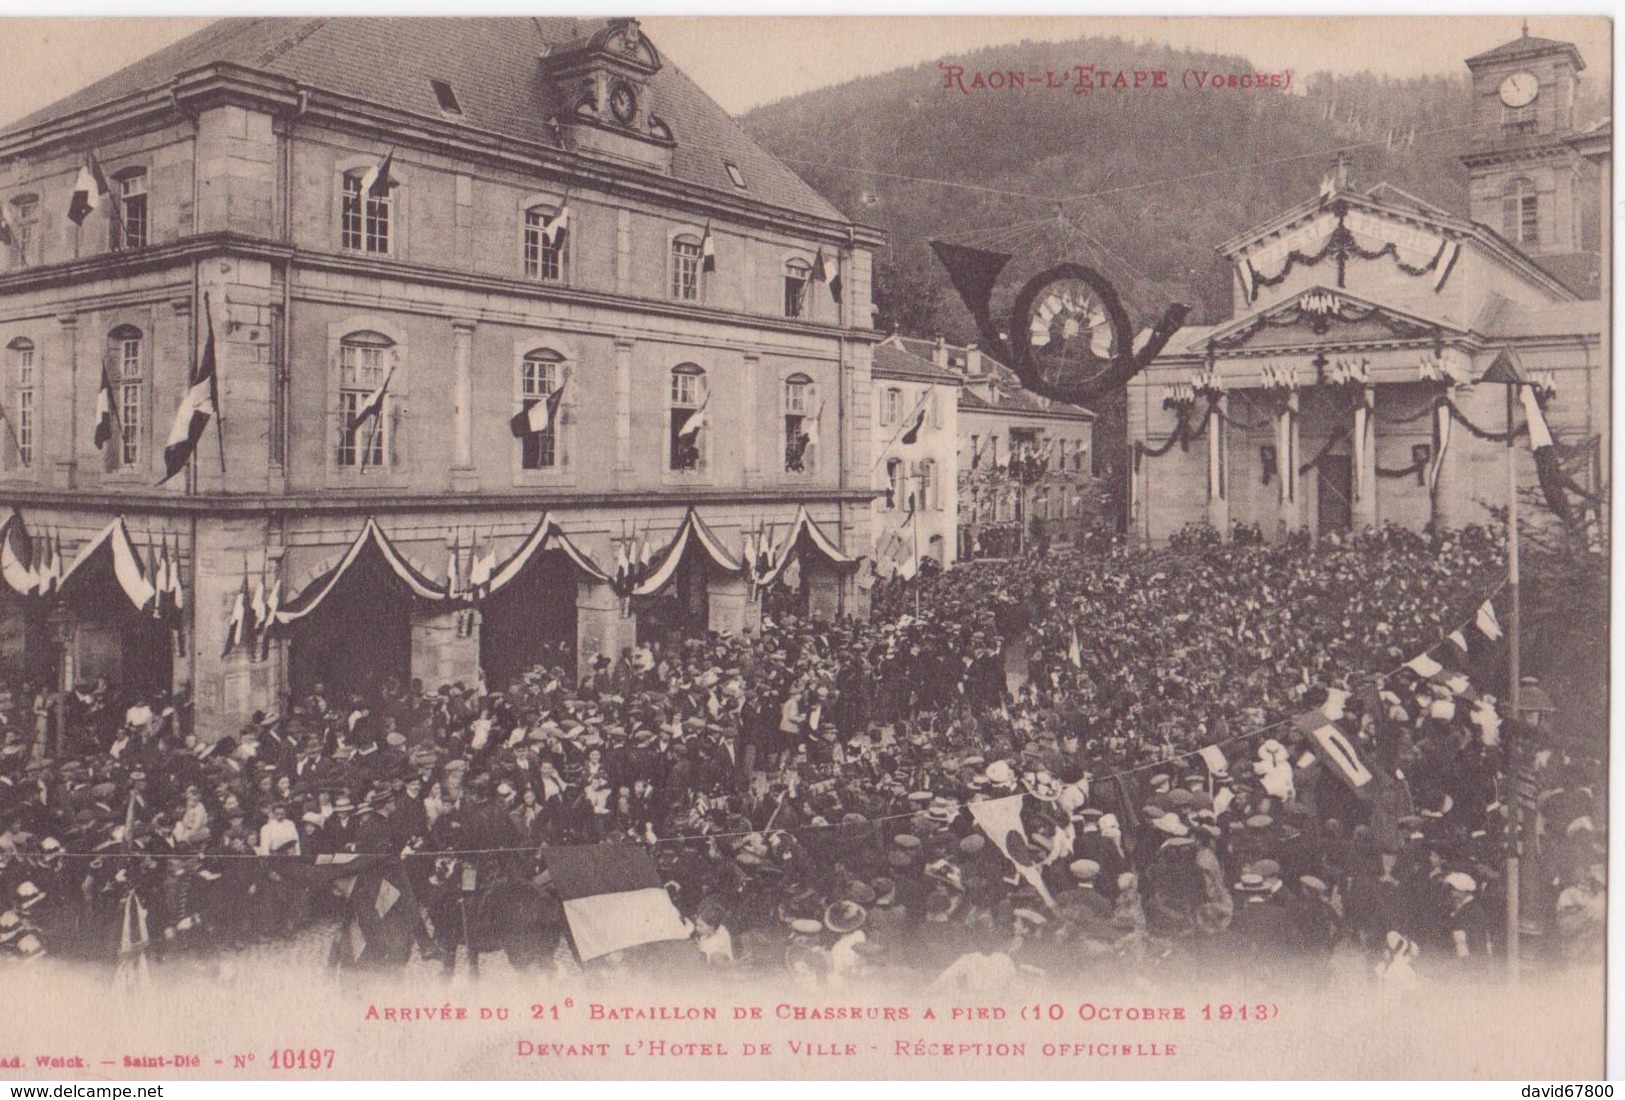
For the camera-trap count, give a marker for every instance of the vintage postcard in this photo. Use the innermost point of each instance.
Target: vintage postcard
(580, 547)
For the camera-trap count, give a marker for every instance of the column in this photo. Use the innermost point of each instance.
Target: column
(446, 647)
(823, 590)
(728, 604)
(462, 359)
(1288, 440)
(602, 629)
(623, 251)
(1218, 503)
(64, 452)
(1365, 459)
(623, 410)
(747, 397)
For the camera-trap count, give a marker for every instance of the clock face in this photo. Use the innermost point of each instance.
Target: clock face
(623, 102)
(1519, 89)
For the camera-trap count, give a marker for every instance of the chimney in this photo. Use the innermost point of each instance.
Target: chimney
(939, 354)
(973, 361)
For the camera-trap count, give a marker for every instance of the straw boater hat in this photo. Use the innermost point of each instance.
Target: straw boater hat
(845, 916)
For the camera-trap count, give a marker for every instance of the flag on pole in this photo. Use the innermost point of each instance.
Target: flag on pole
(696, 420)
(613, 897)
(828, 272)
(708, 250)
(106, 410)
(911, 435)
(1213, 757)
(258, 607)
(375, 181)
(177, 594)
(373, 404)
(235, 621)
(273, 605)
(481, 567)
(555, 226)
(1000, 819)
(1487, 622)
(133, 939)
(538, 415)
(454, 568)
(88, 188)
(198, 407)
(623, 564)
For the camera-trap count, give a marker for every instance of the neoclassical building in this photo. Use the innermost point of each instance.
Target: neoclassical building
(402, 236)
(1347, 388)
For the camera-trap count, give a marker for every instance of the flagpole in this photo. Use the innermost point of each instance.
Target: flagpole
(214, 386)
(1513, 916)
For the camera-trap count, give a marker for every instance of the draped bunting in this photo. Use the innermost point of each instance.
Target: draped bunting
(693, 529)
(1363, 441)
(316, 593)
(1286, 458)
(546, 535)
(803, 525)
(125, 561)
(17, 557)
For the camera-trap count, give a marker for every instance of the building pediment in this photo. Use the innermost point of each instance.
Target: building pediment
(1322, 311)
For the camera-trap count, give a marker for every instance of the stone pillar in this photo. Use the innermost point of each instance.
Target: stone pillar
(623, 409)
(1218, 490)
(601, 628)
(623, 251)
(728, 603)
(1288, 447)
(824, 595)
(747, 397)
(462, 360)
(1365, 459)
(63, 453)
(440, 654)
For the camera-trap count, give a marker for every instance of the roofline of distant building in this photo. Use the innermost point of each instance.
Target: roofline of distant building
(290, 101)
(1483, 234)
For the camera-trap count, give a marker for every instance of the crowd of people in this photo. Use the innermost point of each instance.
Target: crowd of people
(810, 791)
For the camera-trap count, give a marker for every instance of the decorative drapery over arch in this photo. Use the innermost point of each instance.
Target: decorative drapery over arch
(546, 535)
(111, 554)
(804, 534)
(314, 594)
(693, 531)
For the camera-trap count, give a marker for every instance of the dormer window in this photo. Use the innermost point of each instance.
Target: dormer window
(659, 130)
(734, 174)
(446, 97)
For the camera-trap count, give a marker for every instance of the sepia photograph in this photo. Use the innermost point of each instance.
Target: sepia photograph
(604, 547)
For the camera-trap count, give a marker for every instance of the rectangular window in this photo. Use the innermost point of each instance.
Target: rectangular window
(447, 98)
(364, 225)
(544, 259)
(26, 230)
(25, 406)
(928, 484)
(361, 371)
(129, 401)
(537, 379)
(890, 407)
(685, 270)
(795, 294)
(132, 200)
(1529, 219)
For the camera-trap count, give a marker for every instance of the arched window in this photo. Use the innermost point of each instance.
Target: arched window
(127, 367)
(685, 267)
(797, 275)
(689, 414)
(802, 415)
(547, 236)
(23, 381)
(1520, 212)
(365, 359)
(365, 219)
(541, 374)
(128, 226)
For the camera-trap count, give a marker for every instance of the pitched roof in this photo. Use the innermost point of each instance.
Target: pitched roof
(1012, 397)
(893, 361)
(494, 66)
(1527, 46)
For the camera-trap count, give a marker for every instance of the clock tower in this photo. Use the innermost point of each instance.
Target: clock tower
(1528, 178)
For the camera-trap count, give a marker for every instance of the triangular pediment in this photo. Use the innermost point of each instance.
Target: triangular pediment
(1321, 311)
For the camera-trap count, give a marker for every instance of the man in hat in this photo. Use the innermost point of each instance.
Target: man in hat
(1470, 927)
